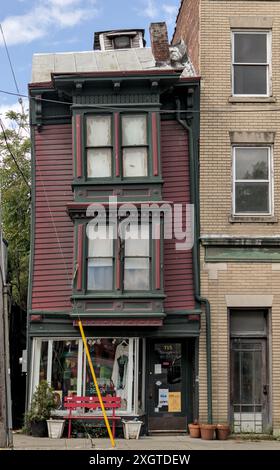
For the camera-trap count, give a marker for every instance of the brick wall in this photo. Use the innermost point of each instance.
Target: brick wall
(219, 116)
(188, 29)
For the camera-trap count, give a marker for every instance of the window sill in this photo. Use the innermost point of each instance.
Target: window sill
(253, 219)
(252, 99)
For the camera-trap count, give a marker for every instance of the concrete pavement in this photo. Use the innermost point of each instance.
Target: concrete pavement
(162, 442)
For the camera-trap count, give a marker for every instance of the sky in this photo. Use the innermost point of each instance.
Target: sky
(38, 26)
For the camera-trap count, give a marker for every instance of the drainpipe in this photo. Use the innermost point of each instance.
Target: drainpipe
(196, 260)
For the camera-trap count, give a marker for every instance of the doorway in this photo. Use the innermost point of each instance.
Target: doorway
(169, 385)
(249, 374)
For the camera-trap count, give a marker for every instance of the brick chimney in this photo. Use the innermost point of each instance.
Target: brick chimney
(159, 43)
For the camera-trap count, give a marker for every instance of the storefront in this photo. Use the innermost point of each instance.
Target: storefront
(153, 377)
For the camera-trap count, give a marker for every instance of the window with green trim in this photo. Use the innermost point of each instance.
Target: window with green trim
(118, 145)
(125, 264)
(99, 146)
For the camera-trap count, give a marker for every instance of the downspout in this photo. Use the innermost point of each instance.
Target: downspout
(194, 193)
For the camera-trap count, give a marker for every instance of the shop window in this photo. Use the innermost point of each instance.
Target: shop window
(251, 63)
(64, 363)
(252, 188)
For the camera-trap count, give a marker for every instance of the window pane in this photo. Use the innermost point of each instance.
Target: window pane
(44, 360)
(99, 163)
(111, 360)
(251, 163)
(100, 274)
(64, 369)
(138, 243)
(252, 197)
(99, 131)
(136, 274)
(250, 80)
(134, 130)
(250, 48)
(247, 322)
(135, 162)
(100, 247)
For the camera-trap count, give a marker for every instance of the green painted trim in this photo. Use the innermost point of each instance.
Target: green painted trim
(49, 313)
(242, 254)
(147, 295)
(115, 314)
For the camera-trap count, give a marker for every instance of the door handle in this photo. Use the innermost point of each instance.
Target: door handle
(265, 389)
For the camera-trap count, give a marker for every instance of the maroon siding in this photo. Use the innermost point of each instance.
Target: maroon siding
(53, 239)
(178, 270)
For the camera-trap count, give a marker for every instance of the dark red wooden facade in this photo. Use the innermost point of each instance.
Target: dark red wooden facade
(53, 232)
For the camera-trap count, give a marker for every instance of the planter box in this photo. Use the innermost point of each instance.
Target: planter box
(131, 429)
(55, 428)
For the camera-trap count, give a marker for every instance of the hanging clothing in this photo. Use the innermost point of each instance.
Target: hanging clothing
(120, 370)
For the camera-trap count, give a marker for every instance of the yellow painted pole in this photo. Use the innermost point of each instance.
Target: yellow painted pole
(96, 384)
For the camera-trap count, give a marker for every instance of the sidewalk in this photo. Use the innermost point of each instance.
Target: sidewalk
(181, 442)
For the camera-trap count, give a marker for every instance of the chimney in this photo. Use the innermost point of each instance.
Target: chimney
(159, 43)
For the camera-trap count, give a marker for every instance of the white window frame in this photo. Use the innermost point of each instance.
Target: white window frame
(268, 61)
(270, 181)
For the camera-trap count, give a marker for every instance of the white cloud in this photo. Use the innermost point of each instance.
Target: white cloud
(170, 12)
(45, 16)
(166, 12)
(149, 9)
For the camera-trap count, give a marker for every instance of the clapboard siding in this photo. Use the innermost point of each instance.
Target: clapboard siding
(178, 270)
(53, 235)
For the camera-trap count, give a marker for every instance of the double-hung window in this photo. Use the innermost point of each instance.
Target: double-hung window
(108, 137)
(251, 63)
(252, 185)
(99, 146)
(100, 261)
(137, 259)
(134, 145)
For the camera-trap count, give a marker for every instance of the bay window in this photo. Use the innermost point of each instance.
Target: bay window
(252, 185)
(251, 63)
(119, 146)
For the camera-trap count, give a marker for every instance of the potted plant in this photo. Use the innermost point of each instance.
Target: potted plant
(194, 429)
(42, 403)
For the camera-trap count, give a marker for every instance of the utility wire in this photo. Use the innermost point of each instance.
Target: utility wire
(12, 69)
(171, 111)
(12, 155)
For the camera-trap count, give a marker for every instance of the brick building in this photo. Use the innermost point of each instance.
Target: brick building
(234, 47)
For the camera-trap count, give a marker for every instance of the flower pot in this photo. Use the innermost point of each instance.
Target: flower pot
(55, 428)
(131, 429)
(207, 431)
(39, 429)
(194, 430)
(223, 431)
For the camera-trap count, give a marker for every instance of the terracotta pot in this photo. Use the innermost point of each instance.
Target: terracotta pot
(194, 430)
(207, 431)
(223, 431)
